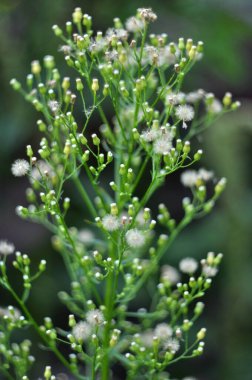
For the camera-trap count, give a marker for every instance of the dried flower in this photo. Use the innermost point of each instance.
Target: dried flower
(147, 14)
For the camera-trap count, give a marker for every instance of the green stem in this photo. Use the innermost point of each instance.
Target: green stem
(109, 303)
(85, 196)
(53, 348)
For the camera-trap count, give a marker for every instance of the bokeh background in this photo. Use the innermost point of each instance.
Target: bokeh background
(226, 29)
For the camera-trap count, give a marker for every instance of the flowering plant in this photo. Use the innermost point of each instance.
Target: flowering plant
(118, 250)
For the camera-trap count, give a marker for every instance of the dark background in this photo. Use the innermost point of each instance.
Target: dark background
(226, 29)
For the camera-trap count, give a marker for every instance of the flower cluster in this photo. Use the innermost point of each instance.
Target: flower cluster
(116, 255)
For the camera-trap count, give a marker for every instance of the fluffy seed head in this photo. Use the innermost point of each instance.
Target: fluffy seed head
(170, 274)
(133, 24)
(188, 265)
(110, 223)
(81, 331)
(6, 248)
(163, 144)
(95, 317)
(20, 168)
(185, 112)
(209, 271)
(189, 178)
(172, 345)
(135, 238)
(163, 331)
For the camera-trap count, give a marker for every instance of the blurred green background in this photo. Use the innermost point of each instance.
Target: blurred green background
(226, 29)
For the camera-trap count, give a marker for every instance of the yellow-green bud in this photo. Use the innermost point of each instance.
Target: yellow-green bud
(15, 84)
(95, 85)
(227, 100)
(49, 62)
(79, 84)
(35, 67)
(77, 15)
(57, 31)
(201, 334)
(96, 140)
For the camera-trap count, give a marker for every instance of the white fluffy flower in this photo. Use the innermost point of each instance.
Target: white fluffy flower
(188, 265)
(147, 338)
(41, 169)
(150, 135)
(170, 274)
(135, 238)
(110, 223)
(215, 106)
(85, 236)
(189, 178)
(147, 14)
(6, 248)
(133, 24)
(81, 331)
(20, 168)
(172, 345)
(163, 144)
(205, 175)
(10, 312)
(95, 317)
(54, 106)
(184, 112)
(209, 271)
(174, 99)
(163, 331)
(195, 96)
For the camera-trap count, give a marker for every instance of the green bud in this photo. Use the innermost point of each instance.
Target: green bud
(79, 84)
(57, 31)
(15, 84)
(96, 140)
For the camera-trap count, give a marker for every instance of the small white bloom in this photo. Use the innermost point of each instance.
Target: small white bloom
(149, 135)
(20, 168)
(215, 106)
(81, 331)
(163, 144)
(175, 99)
(170, 274)
(10, 312)
(135, 238)
(147, 14)
(189, 178)
(110, 223)
(205, 175)
(195, 96)
(54, 106)
(163, 331)
(209, 271)
(95, 317)
(133, 24)
(66, 49)
(172, 345)
(85, 236)
(188, 265)
(147, 338)
(184, 112)
(40, 169)
(6, 248)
